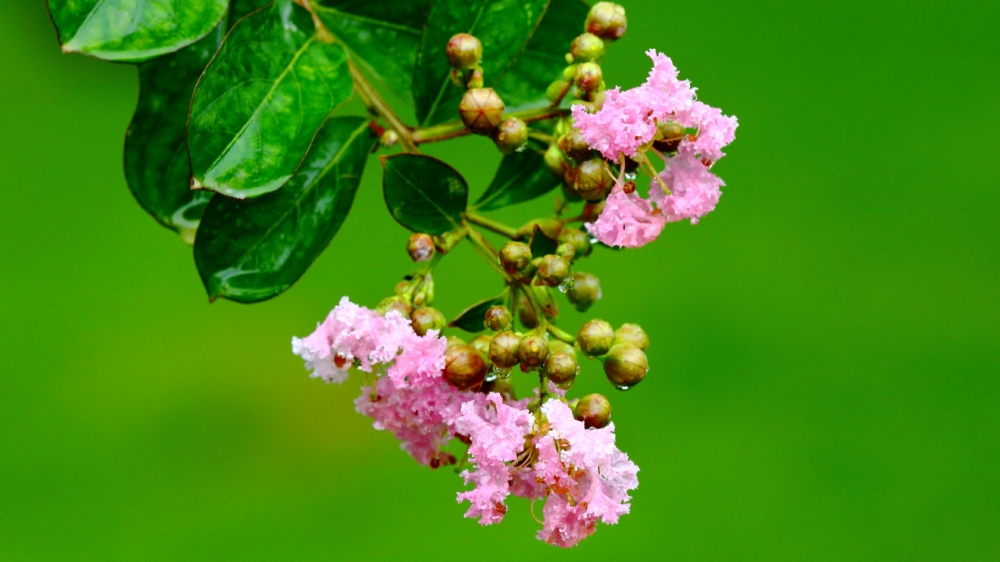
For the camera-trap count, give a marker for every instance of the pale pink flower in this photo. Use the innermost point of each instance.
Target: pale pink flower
(627, 221)
(565, 525)
(694, 191)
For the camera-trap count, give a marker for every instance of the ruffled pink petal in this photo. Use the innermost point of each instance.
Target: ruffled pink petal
(627, 221)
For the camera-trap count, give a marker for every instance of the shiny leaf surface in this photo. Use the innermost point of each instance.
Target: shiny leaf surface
(471, 319)
(423, 193)
(252, 250)
(261, 101)
(522, 176)
(540, 244)
(502, 26)
(133, 30)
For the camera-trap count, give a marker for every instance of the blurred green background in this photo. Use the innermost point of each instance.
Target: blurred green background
(825, 379)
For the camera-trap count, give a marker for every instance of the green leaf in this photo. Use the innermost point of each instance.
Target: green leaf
(540, 244)
(239, 9)
(471, 319)
(261, 100)
(252, 250)
(522, 177)
(157, 169)
(423, 193)
(133, 30)
(544, 58)
(381, 37)
(502, 26)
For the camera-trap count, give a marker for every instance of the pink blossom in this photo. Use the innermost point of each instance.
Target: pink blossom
(627, 220)
(565, 525)
(694, 191)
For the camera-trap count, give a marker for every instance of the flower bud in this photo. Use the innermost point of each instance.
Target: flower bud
(586, 290)
(515, 257)
(566, 251)
(588, 77)
(578, 239)
(625, 365)
(595, 337)
(554, 161)
(606, 20)
(481, 343)
(426, 319)
(464, 51)
(502, 386)
(464, 367)
(511, 135)
(481, 110)
(498, 318)
(549, 227)
(593, 410)
(669, 135)
(396, 303)
(389, 139)
(503, 349)
(556, 90)
(454, 340)
(557, 346)
(533, 350)
(591, 211)
(561, 367)
(526, 313)
(587, 48)
(475, 78)
(573, 145)
(553, 270)
(591, 179)
(633, 334)
(420, 247)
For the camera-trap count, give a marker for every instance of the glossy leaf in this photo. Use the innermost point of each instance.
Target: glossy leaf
(261, 101)
(540, 244)
(423, 193)
(544, 58)
(502, 26)
(381, 37)
(133, 30)
(252, 250)
(239, 9)
(522, 177)
(471, 319)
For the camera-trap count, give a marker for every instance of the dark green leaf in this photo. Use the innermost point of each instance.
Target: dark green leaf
(239, 9)
(133, 30)
(252, 250)
(502, 26)
(157, 168)
(423, 193)
(542, 245)
(543, 60)
(471, 319)
(522, 177)
(381, 36)
(261, 101)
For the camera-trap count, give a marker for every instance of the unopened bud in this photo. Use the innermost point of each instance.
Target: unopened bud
(475, 78)
(573, 145)
(533, 350)
(511, 135)
(578, 239)
(454, 340)
(591, 179)
(669, 135)
(606, 20)
(561, 367)
(502, 386)
(420, 247)
(549, 227)
(633, 334)
(515, 257)
(588, 77)
(557, 346)
(503, 349)
(396, 303)
(526, 312)
(553, 270)
(481, 343)
(586, 290)
(498, 318)
(625, 365)
(481, 110)
(556, 90)
(464, 367)
(587, 48)
(554, 160)
(426, 319)
(591, 211)
(566, 251)
(388, 139)
(593, 410)
(595, 337)
(464, 51)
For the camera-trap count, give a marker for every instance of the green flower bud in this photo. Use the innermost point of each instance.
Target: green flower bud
(475, 78)
(569, 72)
(591, 179)
(573, 145)
(588, 77)
(481, 343)
(625, 365)
(426, 319)
(511, 135)
(396, 303)
(454, 340)
(481, 110)
(553, 270)
(592, 210)
(566, 251)
(586, 290)
(388, 139)
(515, 257)
(526, 313)
(669, 135)
(569, 193)
(554, 161)
(420, 247)
(561, 367)
(578, 239)
(587, 48)
(503, 349)
(595, 337)
(556, 89)
(464, 367)
(549, 227)
(633, 334)
(593, 410)
(502, 386)
(464, 51)
(606, 20)
(498, 318)
(533, 350)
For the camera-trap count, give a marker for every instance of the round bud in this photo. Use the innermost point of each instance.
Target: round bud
(591, 211)
(591, 179)
(526, 313)
(588, 77)
(515, 257)
(633, 334)
(553, 270)
(549, 227)
(464, 367)
(587, 48)
(420, 247)
(481, 110)
(533, 350)
(426, 319)
(475, 78)
(566, 251)
(669, 135)
(502, 386)
(561, 367)
(573, 145)
(595, 337)
(606, 20)
(454, 340)
(482, 344)
(511, 135)
(464, 51)
(556, 346)
(586, 290)
(570, 194)
(556, 90)
(503, 349)
(593, 410)
(554, 160)
(498, 318)
(578, 239)
(388, 139)
(396, 303)
(625, 365)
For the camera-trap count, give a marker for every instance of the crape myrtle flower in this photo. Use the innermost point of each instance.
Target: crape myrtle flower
(627, 220)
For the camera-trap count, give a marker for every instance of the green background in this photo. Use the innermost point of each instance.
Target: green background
(825, 379)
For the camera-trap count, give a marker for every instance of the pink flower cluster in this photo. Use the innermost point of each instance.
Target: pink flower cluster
(626, 125)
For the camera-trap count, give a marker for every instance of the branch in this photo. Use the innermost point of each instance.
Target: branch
(377, 105)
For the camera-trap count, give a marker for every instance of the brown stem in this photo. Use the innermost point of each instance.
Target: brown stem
(377, 105)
